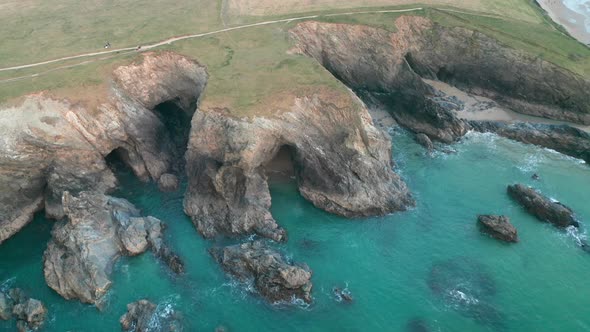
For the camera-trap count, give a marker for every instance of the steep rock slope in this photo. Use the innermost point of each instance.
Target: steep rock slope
(389, 67)
(343, 164)
(50, 146)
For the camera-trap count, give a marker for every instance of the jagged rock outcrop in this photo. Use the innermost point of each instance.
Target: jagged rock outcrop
(79, 258)
(542, 207)
(49, 146)
(425, 142)
(498, 227)
(29, 313)
(389, 67)
(562, 138)
(144, 316)
(343, 164)
(276, 279)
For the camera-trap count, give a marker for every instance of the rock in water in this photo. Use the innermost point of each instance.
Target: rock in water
(274, 278)
(79, 258)
(542, 207)
(32, 313)
(144, 316)
(168, 183)
(425, 141)
(498, 227)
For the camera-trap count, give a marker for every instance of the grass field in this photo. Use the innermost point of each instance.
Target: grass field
(250, 69)
(515, 9)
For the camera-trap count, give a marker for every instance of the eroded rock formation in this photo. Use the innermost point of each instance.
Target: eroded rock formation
(562, 138)
(542, 207)
(390, 66)
(276, 279)
(498, 227)
(50, 146)
(79, 258)
(343, 164)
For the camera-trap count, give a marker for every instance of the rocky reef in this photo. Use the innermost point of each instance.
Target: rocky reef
(276, 279)
(543, 208)
(389, 67)
(343, 164)
(30, 314)
(498, 227)
(80, 256)
(49, 146)
(144, 316)
(562, 138)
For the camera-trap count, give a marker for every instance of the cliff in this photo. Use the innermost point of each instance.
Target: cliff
(389, 66)
(50, 146)
(343, 164)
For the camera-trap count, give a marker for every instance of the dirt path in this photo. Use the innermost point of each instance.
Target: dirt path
(199, 35)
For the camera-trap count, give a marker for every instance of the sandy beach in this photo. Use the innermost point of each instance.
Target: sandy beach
(483, 109)
(574, 15)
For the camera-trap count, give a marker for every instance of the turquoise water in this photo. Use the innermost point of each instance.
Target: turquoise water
(539, 284)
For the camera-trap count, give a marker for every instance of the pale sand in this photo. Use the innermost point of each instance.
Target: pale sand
(483, 109)
(576, 23)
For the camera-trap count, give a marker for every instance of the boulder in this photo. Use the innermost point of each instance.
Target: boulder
(276, 279)
(168, 183)
(498, 227)
(542, 207)
(99, 228)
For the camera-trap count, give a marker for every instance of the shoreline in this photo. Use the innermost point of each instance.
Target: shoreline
(576, 23)
(480, 108)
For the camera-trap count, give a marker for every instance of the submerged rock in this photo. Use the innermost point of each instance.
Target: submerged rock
(498, 227)
(276, 279)
(466, 286)
(542, 207)
(562, 138)
(143, 316)
(342, 295)
(80, 256)
(50, 146)
(343, 164)
(417, 325)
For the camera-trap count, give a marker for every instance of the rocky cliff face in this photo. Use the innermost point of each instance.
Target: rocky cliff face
(390, 66)
(50, 146)
(343, 164)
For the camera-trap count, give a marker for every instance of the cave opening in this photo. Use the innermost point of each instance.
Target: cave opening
(118, 161)
(282, 167)
(177, 126)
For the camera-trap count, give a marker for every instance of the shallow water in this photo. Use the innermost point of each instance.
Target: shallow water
(477, 284)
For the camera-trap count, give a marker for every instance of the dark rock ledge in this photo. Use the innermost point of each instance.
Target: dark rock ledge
(542, 207)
